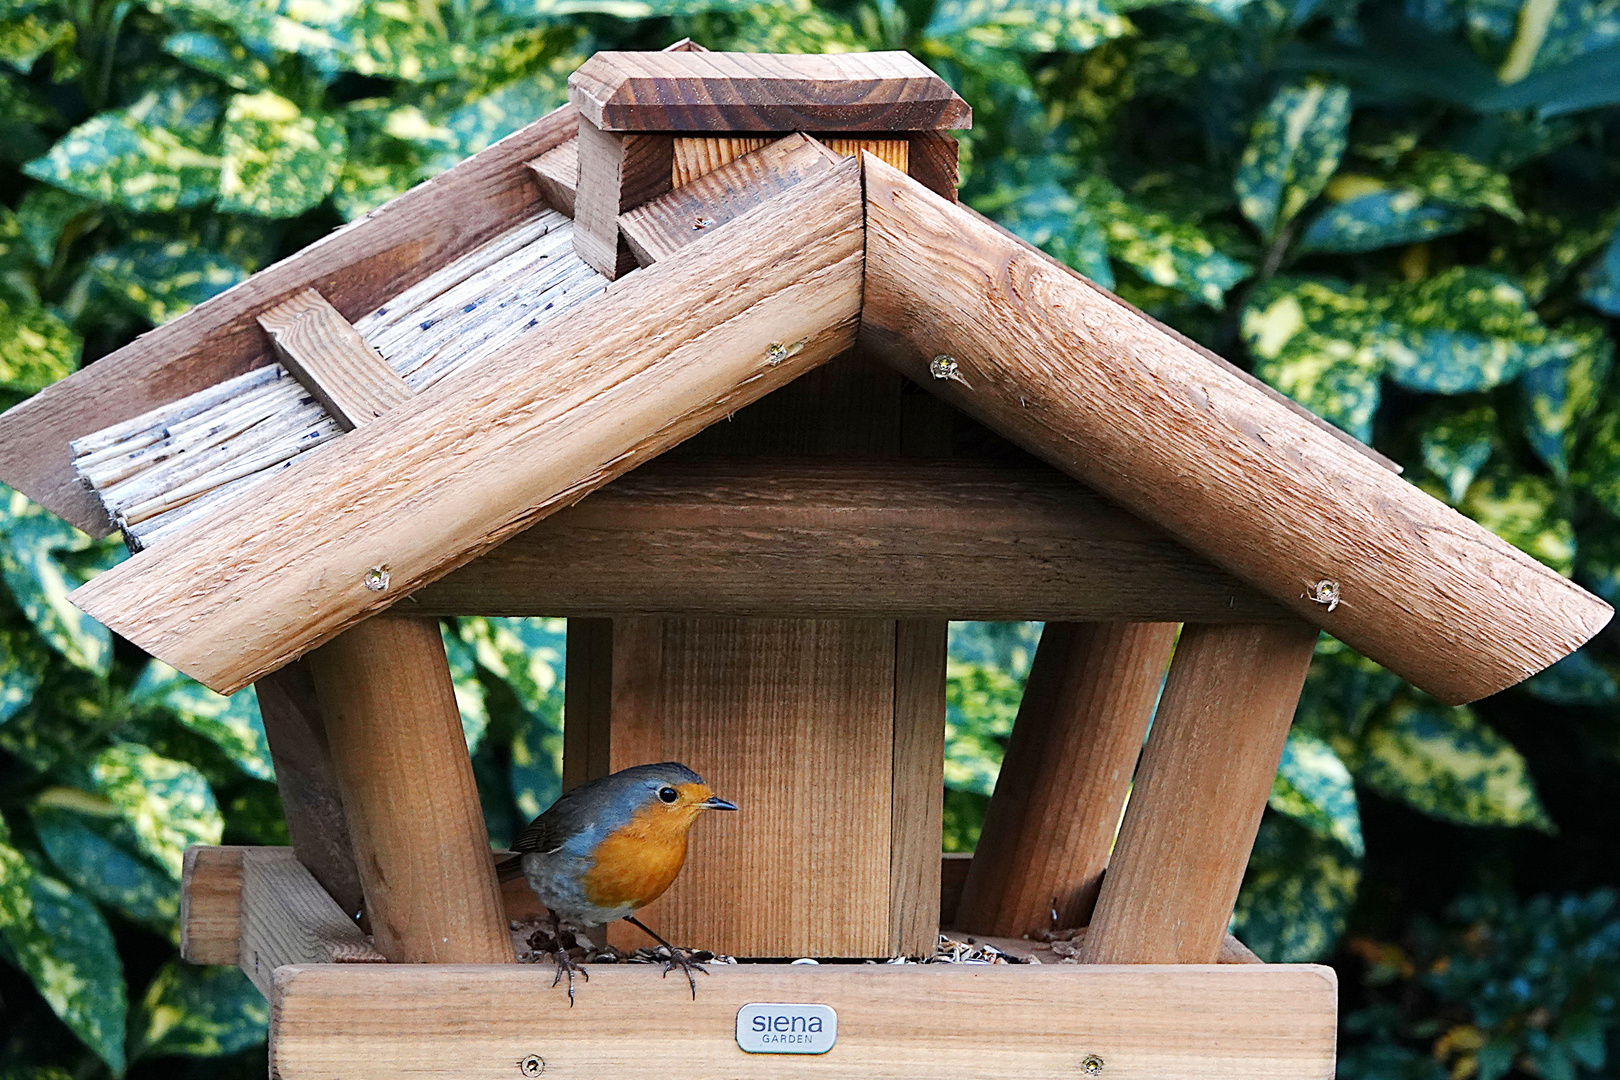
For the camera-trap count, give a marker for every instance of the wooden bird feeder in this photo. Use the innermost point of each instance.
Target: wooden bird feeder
(711, 362)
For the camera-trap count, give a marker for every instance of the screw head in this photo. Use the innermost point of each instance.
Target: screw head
(1092, 1065)
(376, 578)
(775, 353)
(943, 367)
(533, 1065)
(702, 223)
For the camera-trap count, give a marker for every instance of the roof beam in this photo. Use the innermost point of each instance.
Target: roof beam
(486, 452)
(730, 92)
(1101, 392)
(845, 539)
(326, 353)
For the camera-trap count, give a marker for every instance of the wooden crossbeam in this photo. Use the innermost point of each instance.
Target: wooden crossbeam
(911, 1022)
(730, 92)
(1101, 392)
(326, 353)
(617, 172)
(557, 173)
(628, 375)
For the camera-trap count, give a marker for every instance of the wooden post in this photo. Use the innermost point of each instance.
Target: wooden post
(407, 782)
(1204, 778)
(617, 172)
(917, 805)
(1051, 822)
(310, 798)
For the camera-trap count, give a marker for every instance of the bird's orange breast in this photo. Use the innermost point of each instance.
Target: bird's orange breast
(635, 864)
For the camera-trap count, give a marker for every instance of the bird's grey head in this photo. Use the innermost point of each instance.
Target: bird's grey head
(668, 782)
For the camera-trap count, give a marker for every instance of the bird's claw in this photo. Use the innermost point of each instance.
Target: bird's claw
(565, 963)
(687, 961)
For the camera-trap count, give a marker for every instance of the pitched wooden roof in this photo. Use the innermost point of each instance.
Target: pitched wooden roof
(731, 310)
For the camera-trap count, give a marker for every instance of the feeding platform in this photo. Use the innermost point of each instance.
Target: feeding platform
(711, 362)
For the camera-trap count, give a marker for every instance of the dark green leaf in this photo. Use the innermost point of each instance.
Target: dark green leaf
(199, 1011)
(1577, 679)
(1296, 894)
(231, 723)
(1523, 510)
(1602, 286)
(100, 856)
(162, 279)
(277, 162)
(1381, 219)
(1457, 445)
(1294, 147)
(168, 803)
(1028, 25)
(469, 691)
(1314, 788)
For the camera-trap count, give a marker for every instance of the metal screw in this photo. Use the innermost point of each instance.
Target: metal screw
(533, 1065)
(1092, 1064)
(1326, 592)
(702, 223)
(945, 367)
(376, 578)
(775, 352)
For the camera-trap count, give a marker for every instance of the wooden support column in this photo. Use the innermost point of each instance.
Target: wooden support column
(618, 171)
(407, 783)
(1203, 781)
(310, 799)
(1051, 822)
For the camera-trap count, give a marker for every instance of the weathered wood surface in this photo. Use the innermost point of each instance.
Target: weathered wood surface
(922, 538)
(357, 268)
(1105, 395)
(657, 229)
(793, 720)
(1051, 822)
(1257, 1022)
(915, 819)
(626, 376)
(332, 360)
(311, 801)
(414, 817)
(557, 173)
(934, 160)
(211, 904)
(287, 918)
(730, 92)
(1205, 775)
(617, 172)
(588, 699)
(697, 157)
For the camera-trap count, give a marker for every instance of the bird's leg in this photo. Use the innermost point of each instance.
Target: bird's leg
(678, 958)
(564, 961)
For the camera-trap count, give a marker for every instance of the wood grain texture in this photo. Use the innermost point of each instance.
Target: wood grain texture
(625, 376)
(556, 172)
(933, 160)
(588, 701)
(1105, 395)
(659, 228)
(850, 537)
(311, 800)
(357, 268)
(697, 157)
(1256, 1022)
(211, 905)
(1051, 822)
(287, 918)
(723, 91)
(1205, 775)
(919, 786)
(793, 720)
(326, 353)
(414, 817)
(617, 172)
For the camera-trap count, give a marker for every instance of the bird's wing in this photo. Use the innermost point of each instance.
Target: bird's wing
(565, 817)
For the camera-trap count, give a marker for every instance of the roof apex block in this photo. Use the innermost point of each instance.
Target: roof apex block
(730, 91)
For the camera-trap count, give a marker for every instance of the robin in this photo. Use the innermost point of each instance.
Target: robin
(608, 848)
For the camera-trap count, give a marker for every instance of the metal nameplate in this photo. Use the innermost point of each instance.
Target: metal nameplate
(765, 1027)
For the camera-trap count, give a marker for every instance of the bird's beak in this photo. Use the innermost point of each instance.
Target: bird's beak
(715, 802)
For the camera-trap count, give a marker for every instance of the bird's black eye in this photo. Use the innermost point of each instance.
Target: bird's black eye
(668, 794)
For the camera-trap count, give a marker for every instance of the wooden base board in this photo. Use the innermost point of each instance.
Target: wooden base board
(894, 1022)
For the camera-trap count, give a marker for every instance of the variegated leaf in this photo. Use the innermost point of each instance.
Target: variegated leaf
(34, 573)
(469, 691)
(162, 279)
(1296, 895)
(1459, 180)
(168, 803)
(1028, 25)
(1577, 679)
(784, 26)
(100, 856)
(1562, 387)
(22, 668)
(124, 158)
(36, 347)
(1448, 764)
(1314, 341)
(1061, 225)
(1294, 147)
(1523, 510)
(981, 702)
(277, 162)
(1314, 788)
(27, 37)
(198, 1011)
(1602, 284)
(1463, 330)
(1167, 251)
(231, 723)
(1457, 445)
(226, 59)
(48, 215)
(1383, 218)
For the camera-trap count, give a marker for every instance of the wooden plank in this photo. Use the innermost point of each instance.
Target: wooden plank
(1051, 822)
(287, 918)
(731, 92)
(1257, 1022)
(793, 720)
(211, 905)
(917, 807)
(1205, 775)
(327, 354)
(557, 173)
(311, 801)
(357, 268)
(699, 156)
(933, 160)
(659, 228)
(857, 538)
(1108, 397)
(414, 816)
(588, 701)
(617, 172)
(626, 376)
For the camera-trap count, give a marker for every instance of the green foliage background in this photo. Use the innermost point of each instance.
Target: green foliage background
(1401, 212)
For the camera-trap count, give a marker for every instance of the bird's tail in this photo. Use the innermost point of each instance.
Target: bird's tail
(508, 865)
